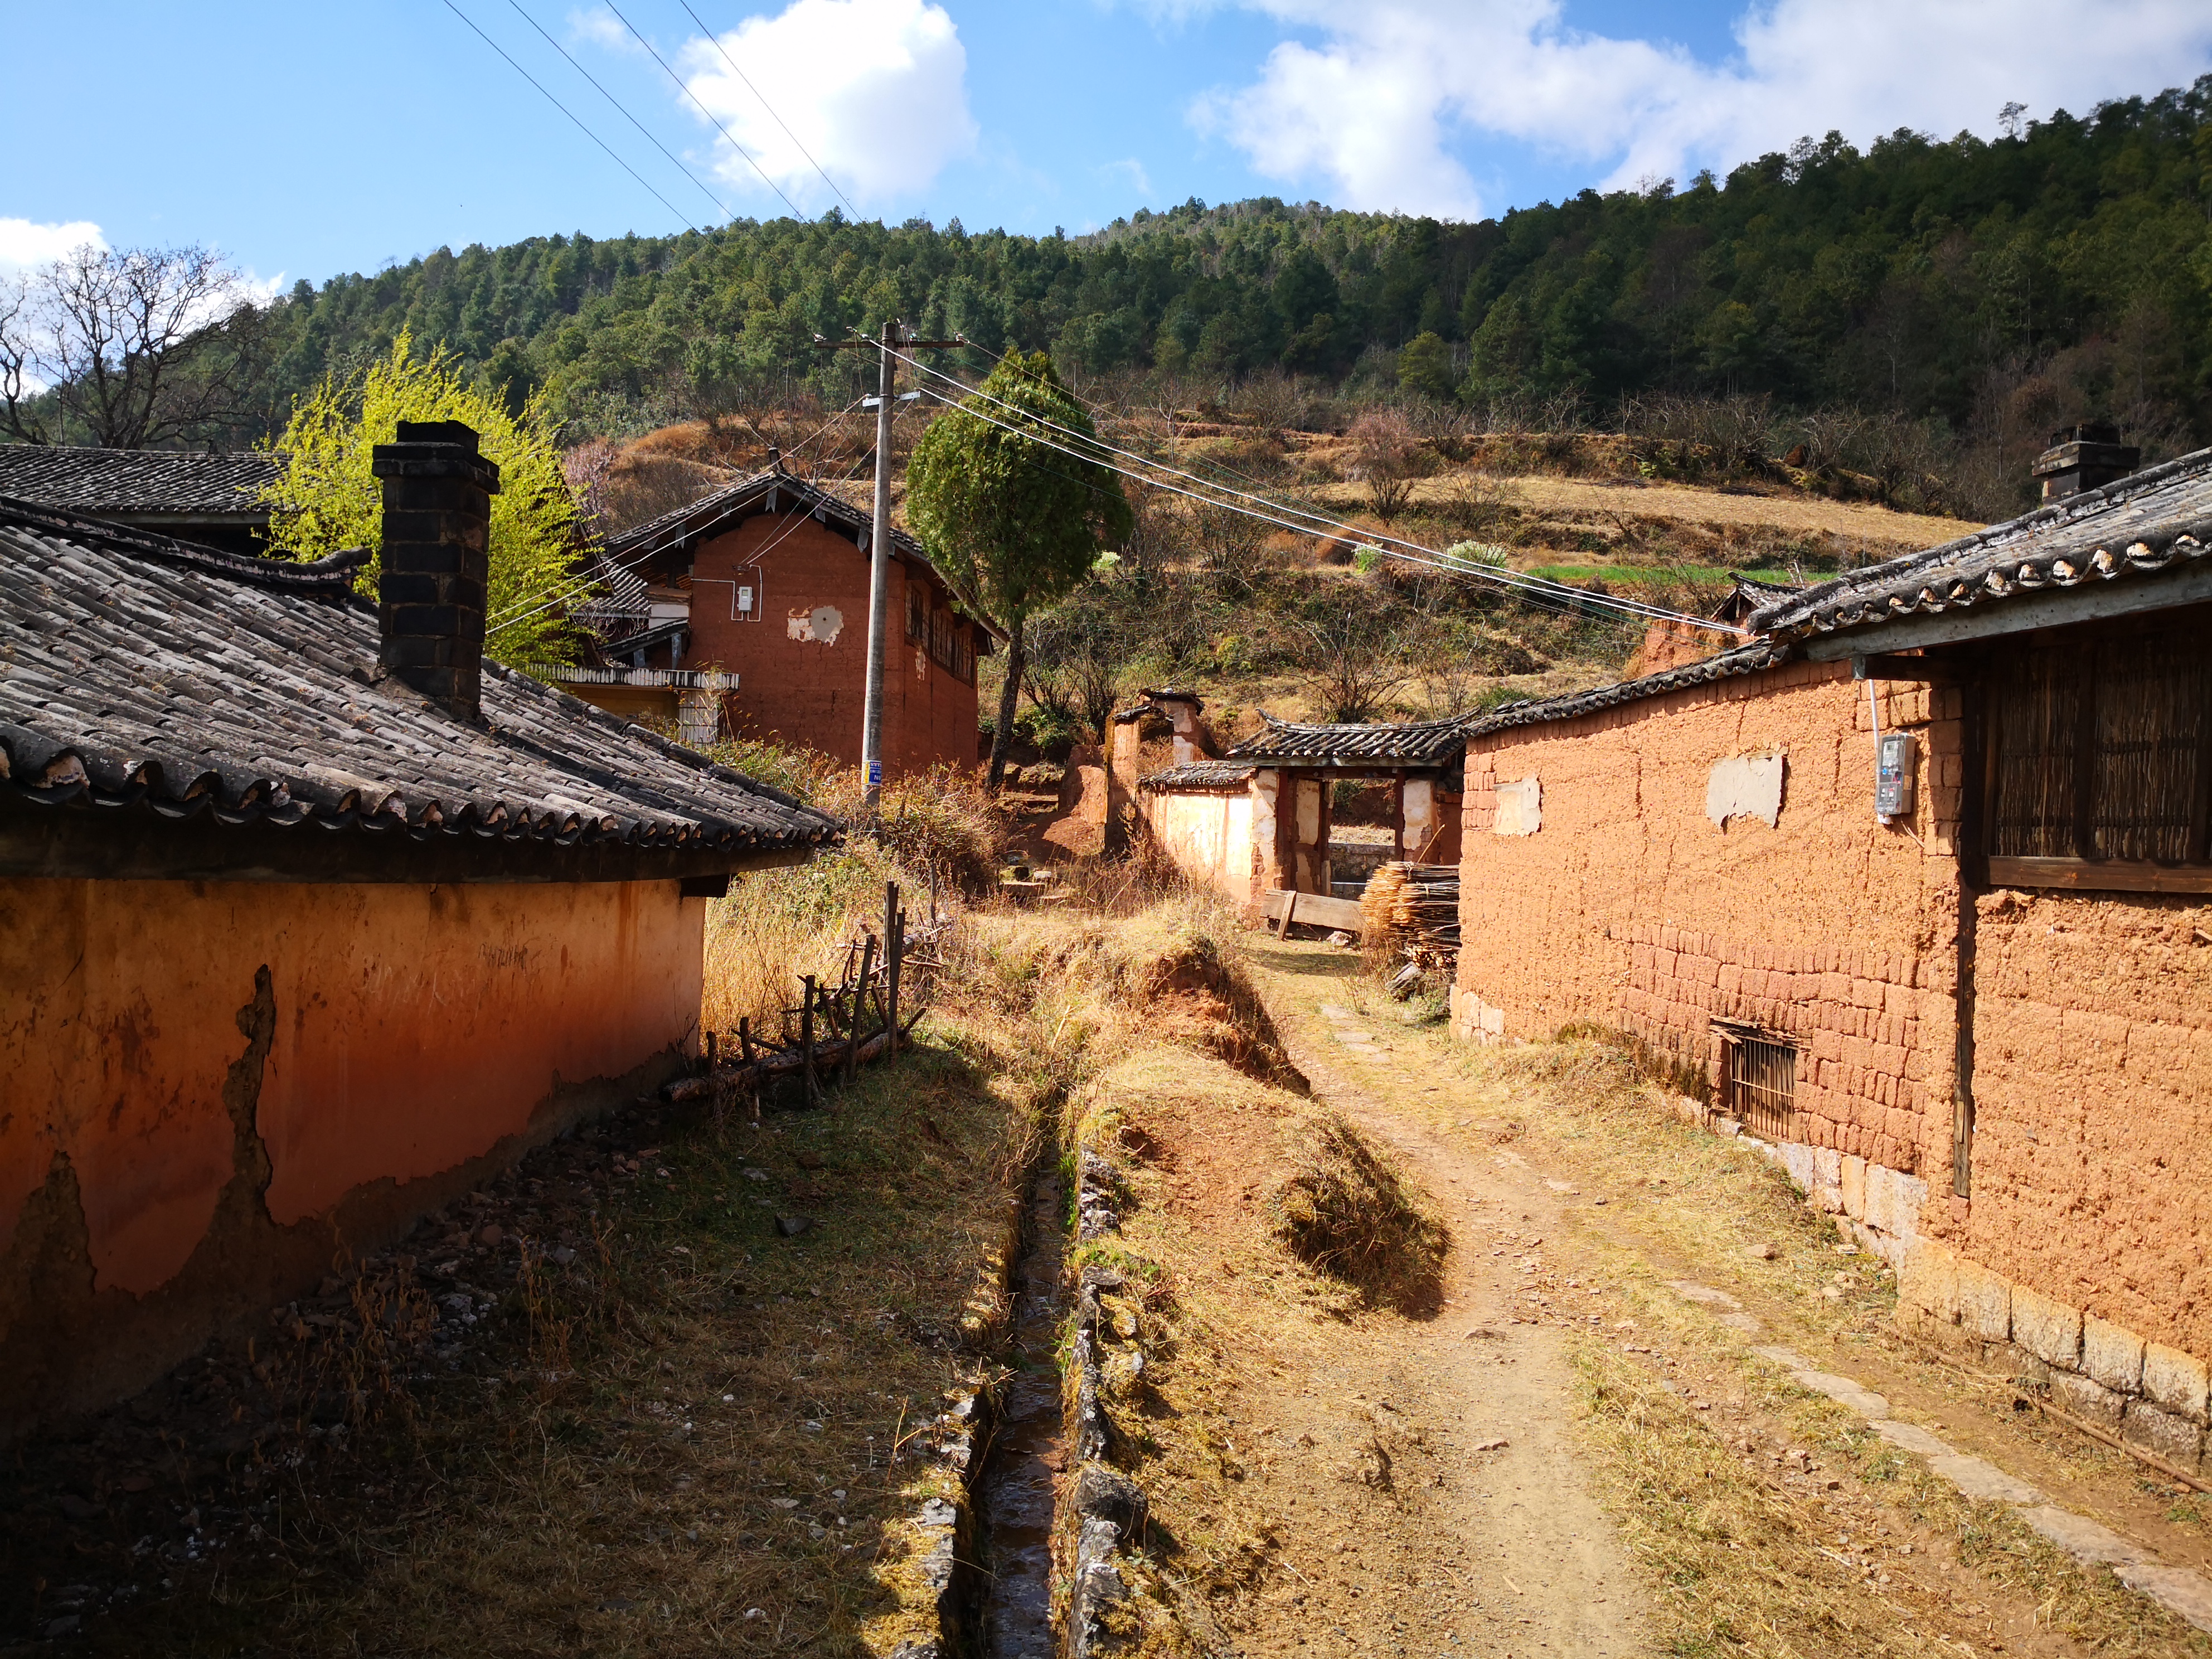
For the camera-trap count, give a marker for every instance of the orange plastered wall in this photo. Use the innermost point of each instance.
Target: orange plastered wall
(415, 1028)
(2093, 1095)
(1629, 908)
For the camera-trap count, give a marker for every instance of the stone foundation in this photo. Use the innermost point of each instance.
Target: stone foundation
(2152, 1397)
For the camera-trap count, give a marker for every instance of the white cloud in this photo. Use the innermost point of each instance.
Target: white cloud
(22, 242)
(600, 27)
(1130, 171)
(1382, 103)
(873, 90)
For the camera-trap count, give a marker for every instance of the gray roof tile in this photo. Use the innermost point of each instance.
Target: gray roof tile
(137, 669)
(107, 481)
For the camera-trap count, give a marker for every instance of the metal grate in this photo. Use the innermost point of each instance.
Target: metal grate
(1759, 1082)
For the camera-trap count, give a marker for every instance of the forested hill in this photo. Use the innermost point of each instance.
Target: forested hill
(1934, 279)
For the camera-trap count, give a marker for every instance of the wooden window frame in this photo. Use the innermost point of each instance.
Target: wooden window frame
(2190, 874)
(917, 609)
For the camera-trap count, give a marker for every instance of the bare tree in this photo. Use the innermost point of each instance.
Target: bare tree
(125, 348)
(1353, 654)
(1388, 454)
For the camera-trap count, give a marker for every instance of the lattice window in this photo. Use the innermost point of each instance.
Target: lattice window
(963, 652)
(1758, 1081)
(2101, 751)
(917, 609)
(941, 629)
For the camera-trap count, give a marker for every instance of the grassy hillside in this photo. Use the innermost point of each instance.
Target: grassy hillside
(1974, 293)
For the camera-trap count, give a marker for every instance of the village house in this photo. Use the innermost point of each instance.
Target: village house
(1256, 821)
(1916, 887)
(208, 498)
(311, 918)
(746, 613)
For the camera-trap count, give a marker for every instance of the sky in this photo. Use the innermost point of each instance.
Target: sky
(309, 140)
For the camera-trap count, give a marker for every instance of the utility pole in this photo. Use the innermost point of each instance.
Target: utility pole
(889, 346)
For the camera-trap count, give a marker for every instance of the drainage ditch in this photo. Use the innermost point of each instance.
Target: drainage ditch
(1021, 1472)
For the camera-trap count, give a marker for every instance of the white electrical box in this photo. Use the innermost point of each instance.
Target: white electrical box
(745, 601)
(1893, 776)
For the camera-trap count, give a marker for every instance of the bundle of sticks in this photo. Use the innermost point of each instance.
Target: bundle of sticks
(837, 1026)
(1409, 916)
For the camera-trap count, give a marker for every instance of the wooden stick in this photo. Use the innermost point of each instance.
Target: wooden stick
(710, 1054)
(1290, 910)
(895, 950)
(745, 1037)
(852, 1038)
(806, 1040)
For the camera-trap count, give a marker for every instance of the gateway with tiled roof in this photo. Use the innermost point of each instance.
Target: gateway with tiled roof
(211, 498)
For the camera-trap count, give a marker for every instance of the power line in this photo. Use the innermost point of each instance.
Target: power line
(1414, 552)
(570, 113)
(684, 88)
(508, 618)
(770, 107)
(1529, 590)
(719, 206)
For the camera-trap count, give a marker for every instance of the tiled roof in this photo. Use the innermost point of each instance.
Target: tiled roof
(1427, 743)
(710, 516)
(154, 481)
(137, 670)
(2155, 520)
(1744, 660)
(1201, 774)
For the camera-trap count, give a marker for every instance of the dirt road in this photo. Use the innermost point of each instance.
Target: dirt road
(1444, 1483)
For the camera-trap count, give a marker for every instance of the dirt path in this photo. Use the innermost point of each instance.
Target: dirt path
(1878, 1556)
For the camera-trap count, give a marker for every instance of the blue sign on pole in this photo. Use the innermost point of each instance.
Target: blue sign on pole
(875, 775)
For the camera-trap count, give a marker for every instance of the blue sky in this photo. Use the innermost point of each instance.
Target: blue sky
(309, 139)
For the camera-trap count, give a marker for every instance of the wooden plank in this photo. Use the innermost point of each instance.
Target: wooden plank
(1315, 909)
(2103, 876)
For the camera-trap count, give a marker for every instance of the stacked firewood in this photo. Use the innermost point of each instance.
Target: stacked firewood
(1409, 923)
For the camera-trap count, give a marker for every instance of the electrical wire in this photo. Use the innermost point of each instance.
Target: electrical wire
(570, 113)
(1413, 552)
(508, 618)
(770, 107)
(720, 205)
(1536, 599)
(684, 88)
(1518, 578)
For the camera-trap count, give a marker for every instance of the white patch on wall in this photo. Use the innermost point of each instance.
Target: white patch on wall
(1520, 807)
(1745, 786)
(920, 665)
(822, 625)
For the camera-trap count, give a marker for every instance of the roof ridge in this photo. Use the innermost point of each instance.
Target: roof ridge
(328, 577)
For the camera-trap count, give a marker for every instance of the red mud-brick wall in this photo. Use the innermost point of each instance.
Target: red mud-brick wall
(801, 682)
(1628, 907)
(213, 1092)
(2093, 1090)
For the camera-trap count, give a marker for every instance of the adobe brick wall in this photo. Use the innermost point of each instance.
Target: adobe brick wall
(2093, 1086)
(800, 684)
(1628, 907)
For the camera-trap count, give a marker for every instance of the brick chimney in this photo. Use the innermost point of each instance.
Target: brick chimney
(2084, 457)
(437, 539)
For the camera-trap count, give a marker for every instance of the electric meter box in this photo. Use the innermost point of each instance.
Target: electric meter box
(1893, 776)
(745, 601)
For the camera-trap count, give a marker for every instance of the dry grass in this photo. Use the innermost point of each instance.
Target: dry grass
(1343, 1209)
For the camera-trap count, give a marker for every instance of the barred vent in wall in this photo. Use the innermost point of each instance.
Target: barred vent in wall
(1758, 1081)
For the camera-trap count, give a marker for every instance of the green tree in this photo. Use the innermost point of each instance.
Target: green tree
(1425, 366)
(1014, 525)
(326, 498)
